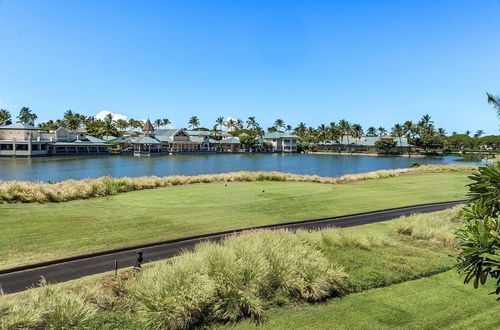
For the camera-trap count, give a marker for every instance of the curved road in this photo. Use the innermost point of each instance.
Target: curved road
(20, 278)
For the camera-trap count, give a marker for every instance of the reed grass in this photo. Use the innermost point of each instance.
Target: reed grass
(432, 227)
(40, 192)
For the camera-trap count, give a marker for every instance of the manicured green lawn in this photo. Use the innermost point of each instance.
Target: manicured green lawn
(38, 232)
(437, 302)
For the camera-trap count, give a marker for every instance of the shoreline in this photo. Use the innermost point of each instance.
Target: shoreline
(364, 154)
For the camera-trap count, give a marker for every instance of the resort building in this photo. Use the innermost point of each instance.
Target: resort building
(365, 144)
(281, 142)
(174, 140)
(25, 140)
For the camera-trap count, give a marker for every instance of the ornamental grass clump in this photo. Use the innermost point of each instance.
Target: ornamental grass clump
(236, 279)
(438, 227)
(47, 307)
(39, 192)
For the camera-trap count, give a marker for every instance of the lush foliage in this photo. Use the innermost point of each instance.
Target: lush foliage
(385, 144)
(479, 238)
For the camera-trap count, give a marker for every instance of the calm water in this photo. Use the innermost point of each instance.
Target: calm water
(62, 168)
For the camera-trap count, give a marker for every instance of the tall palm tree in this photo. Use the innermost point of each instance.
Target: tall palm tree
(122, 124)
(398, 130)
(252, 123)
(381, 131)
(478, 134)
(166, 122)
(220, 121)
(441, 131)
(301, 130)
(193, 122)
(239, 123)
(345, 131)
(322, 133)
(495, 101)
(279, 123)
(157, 123)
(288, 128)
(372, 131)
(231, 124)
(357, 132)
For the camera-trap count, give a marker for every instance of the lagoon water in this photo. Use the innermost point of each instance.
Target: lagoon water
(63, 168)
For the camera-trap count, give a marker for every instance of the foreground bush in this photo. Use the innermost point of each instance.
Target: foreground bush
(39, 192)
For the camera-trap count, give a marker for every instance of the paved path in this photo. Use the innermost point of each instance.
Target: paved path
(19, 278)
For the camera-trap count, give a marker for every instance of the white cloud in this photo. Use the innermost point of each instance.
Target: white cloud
(101, 115)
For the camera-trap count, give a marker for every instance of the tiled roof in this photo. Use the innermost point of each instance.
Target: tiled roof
(19, 126)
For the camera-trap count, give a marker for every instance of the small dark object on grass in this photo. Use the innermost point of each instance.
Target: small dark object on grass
(225, 185)
(263, 191)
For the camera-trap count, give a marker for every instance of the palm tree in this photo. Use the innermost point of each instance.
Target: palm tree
(357, 132)
(279, 123)
(193, 122)
(322, 133)
(345, 130)
(495, 100)
(441, 131)
(4, 116)
(166, 122)
(122, 124)
(467, 132)
(214, 132)
(252, 123)
(288, 128)
(239, 123)
(108, 126)
(372, 131)
(231, 124)
(478, 134)
(381, 131)
(398, 130)
(301, 130)
(220, 121)
(157, 123)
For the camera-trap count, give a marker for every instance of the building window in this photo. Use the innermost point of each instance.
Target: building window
(6, 147)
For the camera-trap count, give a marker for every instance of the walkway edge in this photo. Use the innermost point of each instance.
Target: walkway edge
(209, 235)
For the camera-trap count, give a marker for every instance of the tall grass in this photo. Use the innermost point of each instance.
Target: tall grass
(39, 192)
(48, 307)
(434, 227)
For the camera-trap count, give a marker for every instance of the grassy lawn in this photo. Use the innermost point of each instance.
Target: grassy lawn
(38, 232)
(395, 279)
(437, 302)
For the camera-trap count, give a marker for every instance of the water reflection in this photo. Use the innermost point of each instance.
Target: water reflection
(62, 168)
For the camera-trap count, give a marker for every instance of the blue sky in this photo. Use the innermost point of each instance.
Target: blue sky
(371, 62)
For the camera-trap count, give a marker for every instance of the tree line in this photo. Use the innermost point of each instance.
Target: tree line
(422, 133)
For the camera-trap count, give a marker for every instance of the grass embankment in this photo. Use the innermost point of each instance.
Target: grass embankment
(38, 232)
(39, 192)
(246, 275)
